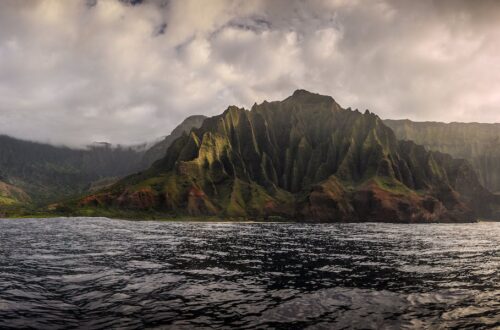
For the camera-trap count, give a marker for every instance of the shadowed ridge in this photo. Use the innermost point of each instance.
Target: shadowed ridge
(159, 150)
(477, 143)
(303, 158)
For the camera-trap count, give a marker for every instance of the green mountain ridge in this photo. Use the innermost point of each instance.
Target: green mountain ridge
(158, 150)
(38, 173)
(49, 172)
(478, 143)
(303, 158)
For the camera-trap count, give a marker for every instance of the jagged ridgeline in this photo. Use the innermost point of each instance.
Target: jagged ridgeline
(476, 142)
(301, 158)
(46, 173)
(33, 173)
(158, 150)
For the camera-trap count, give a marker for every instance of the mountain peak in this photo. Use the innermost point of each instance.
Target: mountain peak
(302, 92)
(302, 158)
(194, 118)
(303, 95)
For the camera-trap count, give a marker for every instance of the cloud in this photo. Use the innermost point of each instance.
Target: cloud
(73, 72)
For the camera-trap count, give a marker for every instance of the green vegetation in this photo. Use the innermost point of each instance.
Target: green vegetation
(159, 150)
(47, 173)
(302, 158)
(12, 197)
(393, 186)
(40, 174)
(475, 142)
(4, 200)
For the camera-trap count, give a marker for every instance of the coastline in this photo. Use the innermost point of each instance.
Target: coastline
(218, 219)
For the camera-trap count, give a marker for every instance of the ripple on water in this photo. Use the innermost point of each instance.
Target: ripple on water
(96, 273)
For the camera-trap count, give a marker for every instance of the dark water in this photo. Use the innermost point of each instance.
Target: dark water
(101, 273)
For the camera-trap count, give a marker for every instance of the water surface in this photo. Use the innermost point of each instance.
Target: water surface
(97, 273)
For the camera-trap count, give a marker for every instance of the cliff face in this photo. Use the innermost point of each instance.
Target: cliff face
(46, 172)
(477, 143)
(158, 150)
(303, 158)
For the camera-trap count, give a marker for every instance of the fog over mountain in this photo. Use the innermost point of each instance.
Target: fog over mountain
(73, 72)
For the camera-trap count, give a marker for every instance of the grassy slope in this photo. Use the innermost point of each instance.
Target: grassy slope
(246, 163)
(278, 159)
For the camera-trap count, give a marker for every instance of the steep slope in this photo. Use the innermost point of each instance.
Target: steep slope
(10, 195)
(47, 172)
(303, 158)
(475, 142)
(158, 150)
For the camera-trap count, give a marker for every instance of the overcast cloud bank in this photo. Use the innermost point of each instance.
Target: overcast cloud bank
(74, 72)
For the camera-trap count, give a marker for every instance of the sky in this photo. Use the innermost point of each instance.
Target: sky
(77, 71)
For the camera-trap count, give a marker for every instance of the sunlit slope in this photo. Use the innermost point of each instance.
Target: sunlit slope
(301, 158)
(12, 196)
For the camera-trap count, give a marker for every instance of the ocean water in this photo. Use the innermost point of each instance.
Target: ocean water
(97, 273)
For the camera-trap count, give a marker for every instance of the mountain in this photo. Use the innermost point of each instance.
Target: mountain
(45, 172)
(41, 173)
(158, 150)
(475, 142)
(303, 158)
